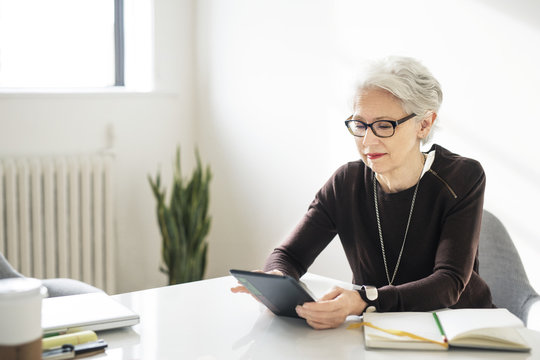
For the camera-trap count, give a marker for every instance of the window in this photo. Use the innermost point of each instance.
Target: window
(61, 43)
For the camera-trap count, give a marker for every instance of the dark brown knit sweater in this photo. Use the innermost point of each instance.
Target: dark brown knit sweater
(439, 265)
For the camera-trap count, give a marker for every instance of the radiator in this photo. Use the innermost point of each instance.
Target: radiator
(56, 217)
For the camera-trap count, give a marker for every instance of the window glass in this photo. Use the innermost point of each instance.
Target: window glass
(57, 43)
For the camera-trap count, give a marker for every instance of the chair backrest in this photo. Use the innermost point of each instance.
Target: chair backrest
(6, 270)
(55, 287)
(501, 267)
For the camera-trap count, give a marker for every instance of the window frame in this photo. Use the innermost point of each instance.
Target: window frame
(119, 44)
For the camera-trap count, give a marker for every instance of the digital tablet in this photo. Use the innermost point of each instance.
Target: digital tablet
(280, 293)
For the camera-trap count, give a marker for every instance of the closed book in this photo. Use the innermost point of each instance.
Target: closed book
(495, 329)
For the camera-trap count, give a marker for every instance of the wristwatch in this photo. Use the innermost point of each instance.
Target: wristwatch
(372, 295)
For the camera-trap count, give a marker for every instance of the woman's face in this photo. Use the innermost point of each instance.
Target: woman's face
(392, 155)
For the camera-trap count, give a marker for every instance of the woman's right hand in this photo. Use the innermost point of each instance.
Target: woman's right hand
(242, 289)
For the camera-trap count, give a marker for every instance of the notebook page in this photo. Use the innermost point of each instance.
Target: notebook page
(418, 323)
(460, 321)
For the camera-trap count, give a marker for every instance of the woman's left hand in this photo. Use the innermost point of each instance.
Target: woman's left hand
(332, 308)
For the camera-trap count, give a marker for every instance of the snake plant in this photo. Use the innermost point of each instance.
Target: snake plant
(184, 222)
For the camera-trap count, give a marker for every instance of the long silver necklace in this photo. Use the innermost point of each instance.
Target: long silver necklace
(390, 281)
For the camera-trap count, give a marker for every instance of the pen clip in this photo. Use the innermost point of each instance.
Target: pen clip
(66, 351)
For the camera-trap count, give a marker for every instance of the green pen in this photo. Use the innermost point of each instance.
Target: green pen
(53, 334)
(445, 339)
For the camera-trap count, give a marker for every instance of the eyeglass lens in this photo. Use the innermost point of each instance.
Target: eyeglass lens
(380, 128)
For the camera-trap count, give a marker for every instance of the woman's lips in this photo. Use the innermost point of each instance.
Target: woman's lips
(374, 156)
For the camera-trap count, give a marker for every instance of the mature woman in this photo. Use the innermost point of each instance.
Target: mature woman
(409, 221)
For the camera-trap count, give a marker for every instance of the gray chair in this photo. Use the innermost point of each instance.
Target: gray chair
(55, 287)
(501, 267)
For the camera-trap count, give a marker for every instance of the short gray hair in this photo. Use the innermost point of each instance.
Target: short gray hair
(408, 80)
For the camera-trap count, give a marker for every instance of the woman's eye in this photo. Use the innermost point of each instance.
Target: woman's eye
(384, 126)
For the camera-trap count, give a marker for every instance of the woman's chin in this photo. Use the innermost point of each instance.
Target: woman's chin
(375, 166)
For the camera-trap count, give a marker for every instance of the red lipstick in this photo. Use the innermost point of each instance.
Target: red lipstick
(374, 156)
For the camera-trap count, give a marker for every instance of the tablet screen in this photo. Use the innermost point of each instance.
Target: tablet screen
(280, 293)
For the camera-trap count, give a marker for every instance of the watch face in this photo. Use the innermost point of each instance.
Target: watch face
(371, 292)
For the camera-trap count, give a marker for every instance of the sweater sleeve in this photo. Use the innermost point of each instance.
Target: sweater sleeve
(311, 235)
(454, 260)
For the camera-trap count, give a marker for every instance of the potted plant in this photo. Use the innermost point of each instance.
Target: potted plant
(184, 222)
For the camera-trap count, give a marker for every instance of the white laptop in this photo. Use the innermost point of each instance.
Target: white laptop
(94, 311)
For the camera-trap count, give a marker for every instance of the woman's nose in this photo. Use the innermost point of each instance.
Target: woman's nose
(369, 137)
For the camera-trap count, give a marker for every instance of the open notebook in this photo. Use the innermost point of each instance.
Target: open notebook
(94, 311)
(495, 329)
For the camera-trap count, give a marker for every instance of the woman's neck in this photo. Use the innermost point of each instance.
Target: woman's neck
(403, 178)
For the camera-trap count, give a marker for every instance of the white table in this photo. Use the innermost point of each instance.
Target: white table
(204, 320)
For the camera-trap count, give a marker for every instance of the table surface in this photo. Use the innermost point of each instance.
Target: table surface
(204, 320)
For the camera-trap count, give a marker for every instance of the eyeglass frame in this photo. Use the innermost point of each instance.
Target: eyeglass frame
(394, 124)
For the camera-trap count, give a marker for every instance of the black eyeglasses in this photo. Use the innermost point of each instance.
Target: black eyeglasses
(381, 128)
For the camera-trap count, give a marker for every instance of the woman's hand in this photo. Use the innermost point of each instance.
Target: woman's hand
(242, 289)
(332, 309)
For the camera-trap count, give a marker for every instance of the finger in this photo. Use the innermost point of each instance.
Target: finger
(320, 316)
(324, 317)
(243, 290)
(331, 313)
(272, 272)
(318, 309)
(311, 322)
(326, 323)
(239, 289)
(323, 305)
(275, 272)
(319, 326)
(332, 294)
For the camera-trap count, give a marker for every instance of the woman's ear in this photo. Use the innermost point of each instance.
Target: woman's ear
(426, 123)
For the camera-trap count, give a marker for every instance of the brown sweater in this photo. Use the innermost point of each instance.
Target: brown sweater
(439, 265)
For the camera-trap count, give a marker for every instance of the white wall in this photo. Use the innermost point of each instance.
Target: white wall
(146, 127)
(275, 80)
(265, 71)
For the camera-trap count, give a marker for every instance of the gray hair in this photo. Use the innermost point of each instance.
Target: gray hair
(409, 81)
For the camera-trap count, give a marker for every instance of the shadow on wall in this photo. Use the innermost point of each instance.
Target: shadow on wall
(527, 11)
